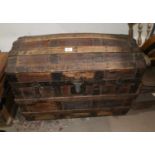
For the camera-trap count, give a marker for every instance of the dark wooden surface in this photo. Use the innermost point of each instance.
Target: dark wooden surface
(7, 106)
(149, 49)
(3, 63)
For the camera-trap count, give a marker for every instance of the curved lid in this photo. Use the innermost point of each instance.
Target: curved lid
(73, 42)
(73, 52)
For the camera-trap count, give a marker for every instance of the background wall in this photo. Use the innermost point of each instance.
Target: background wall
(10, 32)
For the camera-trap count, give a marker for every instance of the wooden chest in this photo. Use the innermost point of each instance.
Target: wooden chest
(74, 75)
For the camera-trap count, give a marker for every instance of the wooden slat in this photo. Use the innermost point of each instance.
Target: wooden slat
(73, 114)
(75, 49)
(75, 62)
(78, 98)
(3, 63)
(70, 36)
(70, 111)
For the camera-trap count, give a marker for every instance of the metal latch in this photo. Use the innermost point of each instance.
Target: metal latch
(77, 85)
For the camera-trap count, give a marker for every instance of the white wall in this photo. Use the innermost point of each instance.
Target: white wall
(10, 32)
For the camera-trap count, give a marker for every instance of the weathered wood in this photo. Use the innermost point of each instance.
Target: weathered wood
(74, 72)
(144, 101)
(75, 114)
(68, 88)
(7, 107)
(145, 98)
(66, 76)
(148, 81)
(79, 42)
(78, 98)
(149, 49)
(75, 62)
(3, 62)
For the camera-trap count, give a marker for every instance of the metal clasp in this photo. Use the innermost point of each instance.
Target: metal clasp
(77, 85)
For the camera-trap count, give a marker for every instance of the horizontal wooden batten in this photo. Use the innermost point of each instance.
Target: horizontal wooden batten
(77, 39)
(76, 113)
(80, 110)
(92, 76)
(78, 98)
(73, 49)
(47, 116)
(75, 62)
(51, 82)
(71, 36)
(74, 42)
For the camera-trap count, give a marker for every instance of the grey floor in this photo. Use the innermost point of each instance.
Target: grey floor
(134, 121)
(139, 120)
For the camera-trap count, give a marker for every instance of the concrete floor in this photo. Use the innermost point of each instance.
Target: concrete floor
(139, 120)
